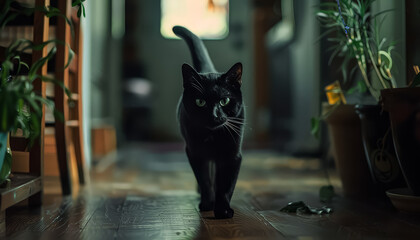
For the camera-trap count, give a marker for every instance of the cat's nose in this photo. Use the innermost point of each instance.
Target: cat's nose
(218, 115)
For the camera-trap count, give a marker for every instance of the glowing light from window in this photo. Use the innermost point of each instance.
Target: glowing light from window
(206, 18)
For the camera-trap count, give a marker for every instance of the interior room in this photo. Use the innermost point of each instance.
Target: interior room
(252, 119)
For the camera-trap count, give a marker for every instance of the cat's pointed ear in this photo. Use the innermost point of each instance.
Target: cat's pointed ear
(234, 75)
(189, 74)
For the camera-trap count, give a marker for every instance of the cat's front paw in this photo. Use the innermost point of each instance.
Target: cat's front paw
(223, 213)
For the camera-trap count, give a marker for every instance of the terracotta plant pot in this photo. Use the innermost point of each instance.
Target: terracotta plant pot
(403, 105)
(350, 160)
(379, 148)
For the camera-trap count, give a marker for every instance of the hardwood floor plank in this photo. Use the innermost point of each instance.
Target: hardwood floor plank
(73, 220)
(98, 234)
(107, 215)
(246, 223)
(162, 217)
(22, 220)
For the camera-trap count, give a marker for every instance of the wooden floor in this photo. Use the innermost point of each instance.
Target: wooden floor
(149, 193)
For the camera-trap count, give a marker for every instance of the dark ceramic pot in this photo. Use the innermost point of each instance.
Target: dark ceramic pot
(350, 160)
(379, 148)
(403, 105)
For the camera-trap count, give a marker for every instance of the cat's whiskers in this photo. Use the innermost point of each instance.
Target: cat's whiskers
(236, 121)
(235, 124)
(234, 128)
(240, 122)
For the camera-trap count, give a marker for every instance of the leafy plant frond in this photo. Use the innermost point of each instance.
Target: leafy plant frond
(41, 62)
(360, 40)
(383, 12)
(81, 10)
(56, 82)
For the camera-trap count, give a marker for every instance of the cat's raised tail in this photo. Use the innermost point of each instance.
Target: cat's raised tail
(201, 59)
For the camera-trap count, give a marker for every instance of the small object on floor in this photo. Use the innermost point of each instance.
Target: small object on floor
(302, 208)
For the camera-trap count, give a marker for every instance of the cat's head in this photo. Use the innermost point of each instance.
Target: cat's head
(211, 99)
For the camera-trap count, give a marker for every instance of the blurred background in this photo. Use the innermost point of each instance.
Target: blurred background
(132, 68)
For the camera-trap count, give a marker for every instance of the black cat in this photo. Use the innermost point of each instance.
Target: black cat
(211, 116)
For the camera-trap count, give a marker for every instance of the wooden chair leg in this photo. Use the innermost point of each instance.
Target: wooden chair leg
(77, 141)
(63, 163)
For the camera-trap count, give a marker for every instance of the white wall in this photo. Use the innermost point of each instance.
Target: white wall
(305, 77)
(95, 29)
(86, 83)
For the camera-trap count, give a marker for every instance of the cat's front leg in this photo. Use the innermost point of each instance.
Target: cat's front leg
(227, 171)
(201, 169)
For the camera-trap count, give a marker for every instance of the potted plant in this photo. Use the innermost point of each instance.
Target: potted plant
(21, 107)
(357, 40)
(403, 105)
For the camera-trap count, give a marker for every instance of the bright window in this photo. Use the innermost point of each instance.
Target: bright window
(208, 19)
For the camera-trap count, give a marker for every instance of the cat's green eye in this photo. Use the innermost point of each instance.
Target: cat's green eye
(224, 101)
(200, 102)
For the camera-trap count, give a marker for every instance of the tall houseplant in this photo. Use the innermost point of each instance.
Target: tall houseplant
(20, 105)
(358, 42)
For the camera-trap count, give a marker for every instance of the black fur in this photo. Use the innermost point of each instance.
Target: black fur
(212, 131)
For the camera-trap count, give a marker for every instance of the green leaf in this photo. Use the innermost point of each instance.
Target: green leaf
(9, 18)
(362, 86)
(84, 11)
(30, 99)
(5, 10)
(75, 3)
(57, 82)
(41, 62)
(35, 128)
(382, 12)
(315, 127)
